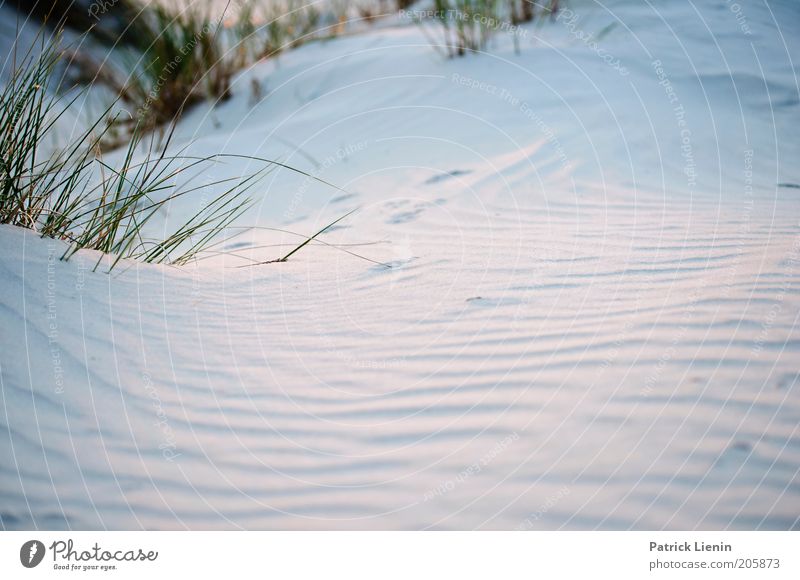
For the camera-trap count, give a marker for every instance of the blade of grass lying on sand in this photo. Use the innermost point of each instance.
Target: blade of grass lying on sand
(305, 243)
(341, 247)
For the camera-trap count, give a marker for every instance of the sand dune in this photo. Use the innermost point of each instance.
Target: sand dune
(574, 332)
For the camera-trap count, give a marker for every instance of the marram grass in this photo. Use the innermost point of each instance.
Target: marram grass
(71, 193)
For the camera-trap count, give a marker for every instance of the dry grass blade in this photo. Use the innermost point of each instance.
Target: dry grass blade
(305, 242)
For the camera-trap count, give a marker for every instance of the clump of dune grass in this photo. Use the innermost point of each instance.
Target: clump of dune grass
(172, 58)
(465, 23)
(179, 59)
(71, 193)
(176, 56)
(182, 56)
(468, 25)
(283, 25)
(521, 11)
(276, 26)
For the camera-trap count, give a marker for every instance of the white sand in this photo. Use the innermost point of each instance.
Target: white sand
(585, 325)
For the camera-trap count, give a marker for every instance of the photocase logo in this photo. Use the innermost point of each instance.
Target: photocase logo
(31, 553)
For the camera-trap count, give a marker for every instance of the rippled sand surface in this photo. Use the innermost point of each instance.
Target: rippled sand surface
(574, 323)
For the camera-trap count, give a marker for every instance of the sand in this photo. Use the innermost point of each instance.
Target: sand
(584, 314)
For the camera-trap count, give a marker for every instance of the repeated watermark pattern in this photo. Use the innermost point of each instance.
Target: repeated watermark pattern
(570, 20)
(168, 446)
(340, 155)
(558, 292)
(549, 503)
(741, 19)
(52, 320)
(790, 261)
(166, 73)
(472, 469)
(522, 106)
(455, 15)
(100, 7)
(687, 151)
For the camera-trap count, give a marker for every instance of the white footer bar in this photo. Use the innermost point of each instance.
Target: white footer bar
(400, 555)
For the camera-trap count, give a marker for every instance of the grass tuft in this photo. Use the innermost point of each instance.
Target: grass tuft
(71, 193)
(468, 25)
